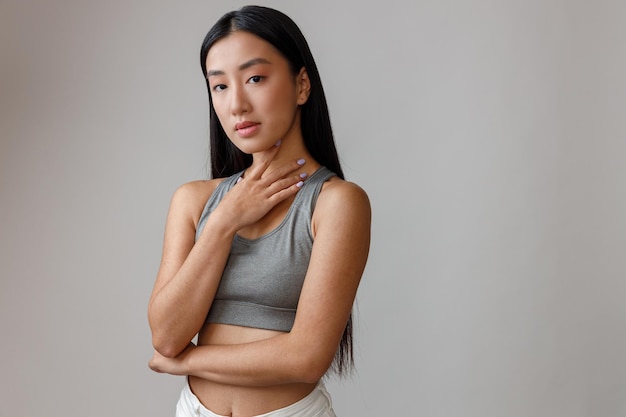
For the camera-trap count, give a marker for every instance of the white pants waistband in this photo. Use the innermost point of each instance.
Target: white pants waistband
(317, 404)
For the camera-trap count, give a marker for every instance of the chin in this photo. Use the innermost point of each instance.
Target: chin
(255, 148)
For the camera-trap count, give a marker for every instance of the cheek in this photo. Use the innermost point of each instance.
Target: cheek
(283, 100)
(220, 111)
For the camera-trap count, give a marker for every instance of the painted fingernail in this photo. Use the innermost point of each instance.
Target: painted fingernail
(278, 143)
(303, 175)
(238, 180)
(299, 184)
(301, 161)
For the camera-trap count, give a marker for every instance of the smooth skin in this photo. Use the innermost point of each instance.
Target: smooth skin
(242, 371)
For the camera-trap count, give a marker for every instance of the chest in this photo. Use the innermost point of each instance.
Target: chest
(270, 270)
(268, 222)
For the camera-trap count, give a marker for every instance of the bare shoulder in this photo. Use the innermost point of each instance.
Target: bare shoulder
(340, 199)
(338, 191)
(189, 199)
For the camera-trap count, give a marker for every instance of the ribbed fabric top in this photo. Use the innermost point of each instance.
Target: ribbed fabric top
(263, 277)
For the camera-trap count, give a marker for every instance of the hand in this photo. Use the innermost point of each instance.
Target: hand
(172, 366)
(256, 194)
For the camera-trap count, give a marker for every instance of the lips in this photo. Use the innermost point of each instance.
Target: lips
(244, 125)
(246, 129)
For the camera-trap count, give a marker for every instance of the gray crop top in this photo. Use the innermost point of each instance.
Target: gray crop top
(263, 277)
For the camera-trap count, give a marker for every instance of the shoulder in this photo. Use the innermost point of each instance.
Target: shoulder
(338, 191)
(340, 200)
(190, 198)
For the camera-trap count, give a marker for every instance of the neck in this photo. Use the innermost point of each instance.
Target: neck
(289, 152)
(292, 148)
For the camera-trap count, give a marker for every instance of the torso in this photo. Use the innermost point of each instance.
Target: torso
(230, 400)
(242, 401)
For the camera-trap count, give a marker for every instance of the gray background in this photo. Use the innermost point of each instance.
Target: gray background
(490, 136)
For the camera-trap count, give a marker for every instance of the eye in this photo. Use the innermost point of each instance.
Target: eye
(255, 79)
(219, 87)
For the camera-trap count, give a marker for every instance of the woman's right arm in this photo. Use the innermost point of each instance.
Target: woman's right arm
(190, 271)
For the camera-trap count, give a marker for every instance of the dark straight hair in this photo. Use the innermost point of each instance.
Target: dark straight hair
(281, 32)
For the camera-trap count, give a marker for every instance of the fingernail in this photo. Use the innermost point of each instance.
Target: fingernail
(303, 175)
(299, 184)
(278, 143)
(301, 161)
(238, 179)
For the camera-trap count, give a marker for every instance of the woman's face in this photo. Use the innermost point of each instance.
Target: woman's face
(255, 94)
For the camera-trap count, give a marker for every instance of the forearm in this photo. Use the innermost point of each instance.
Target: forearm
(177, 311)
(275, 361)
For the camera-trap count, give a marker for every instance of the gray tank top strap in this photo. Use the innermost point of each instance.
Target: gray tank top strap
(310, 194)
(219, 193)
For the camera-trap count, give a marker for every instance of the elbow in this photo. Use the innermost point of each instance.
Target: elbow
(164, 342)
(312, 375)
(307, 359)
(166, 346)
(311, 368)
(167, 351)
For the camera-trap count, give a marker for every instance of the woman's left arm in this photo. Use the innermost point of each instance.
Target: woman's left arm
(341, 226)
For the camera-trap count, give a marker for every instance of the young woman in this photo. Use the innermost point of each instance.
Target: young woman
(263, 261)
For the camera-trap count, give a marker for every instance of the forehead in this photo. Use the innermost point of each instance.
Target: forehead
(240, 47)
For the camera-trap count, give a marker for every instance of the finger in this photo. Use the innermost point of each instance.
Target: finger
(285, 193)
(285, 170)
(284, 183)
(153, 366)
(262, 166)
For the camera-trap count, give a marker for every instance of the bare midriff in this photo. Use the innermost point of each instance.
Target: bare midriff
(240, 401)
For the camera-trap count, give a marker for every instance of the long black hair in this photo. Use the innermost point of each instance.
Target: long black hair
(280, 31)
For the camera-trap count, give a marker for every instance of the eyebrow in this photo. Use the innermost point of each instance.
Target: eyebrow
(245, 65)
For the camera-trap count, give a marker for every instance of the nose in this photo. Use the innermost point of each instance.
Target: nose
(239, 101)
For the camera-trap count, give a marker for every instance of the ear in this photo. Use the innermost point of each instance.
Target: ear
(303, 84)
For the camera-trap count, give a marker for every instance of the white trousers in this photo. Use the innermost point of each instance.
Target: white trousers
(317, 404)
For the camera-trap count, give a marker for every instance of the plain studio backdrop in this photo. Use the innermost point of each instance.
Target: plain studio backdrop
(490, 136)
